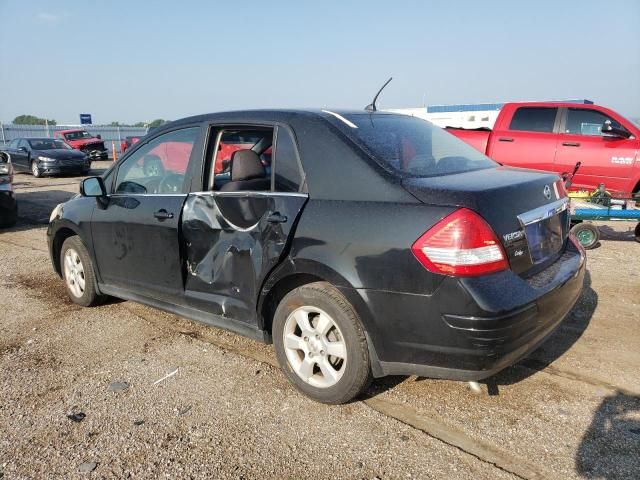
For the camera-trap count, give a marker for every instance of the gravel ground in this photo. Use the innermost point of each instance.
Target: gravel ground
(124, 390)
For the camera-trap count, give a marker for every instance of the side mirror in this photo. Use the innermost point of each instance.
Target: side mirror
(99, 137)
(22, 149)
(608, 130)
(93, 187)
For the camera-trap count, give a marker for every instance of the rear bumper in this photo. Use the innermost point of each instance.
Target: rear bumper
(471, 329)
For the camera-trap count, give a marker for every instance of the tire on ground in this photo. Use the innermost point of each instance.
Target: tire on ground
(35, 171)
(90, 296)
(587, 234)
(357, 373)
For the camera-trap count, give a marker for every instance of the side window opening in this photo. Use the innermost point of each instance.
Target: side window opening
(158, 167)
(583, 121)
(241, 159)
(287, 174)
(534, 119)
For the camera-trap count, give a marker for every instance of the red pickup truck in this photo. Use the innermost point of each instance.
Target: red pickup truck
(85, 142)
(554, 136)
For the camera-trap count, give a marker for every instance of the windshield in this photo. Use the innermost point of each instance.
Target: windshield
(409, 146)
(79, 135)
(48, 144)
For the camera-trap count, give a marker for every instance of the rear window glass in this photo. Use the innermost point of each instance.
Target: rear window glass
(409, 146)
(534, 119)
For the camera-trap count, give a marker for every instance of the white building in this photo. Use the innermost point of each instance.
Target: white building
(471, 115)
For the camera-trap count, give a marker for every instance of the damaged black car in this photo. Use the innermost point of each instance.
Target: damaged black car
(361, 244)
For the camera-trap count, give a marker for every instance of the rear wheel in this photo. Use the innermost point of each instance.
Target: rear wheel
(587, 234)
(320, 344)
(78, 273)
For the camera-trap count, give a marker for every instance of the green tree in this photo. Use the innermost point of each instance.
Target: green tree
(118, 124)
(156, 123)
(31, 120)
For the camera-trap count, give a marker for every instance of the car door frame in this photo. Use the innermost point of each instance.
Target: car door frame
(23, 157)
(294, 201)
(504, 133)
(194, 160)
(616, 183)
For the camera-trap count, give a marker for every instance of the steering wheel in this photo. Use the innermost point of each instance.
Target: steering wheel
(171, 183)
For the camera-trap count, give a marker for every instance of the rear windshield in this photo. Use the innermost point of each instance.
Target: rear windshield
(409, 146)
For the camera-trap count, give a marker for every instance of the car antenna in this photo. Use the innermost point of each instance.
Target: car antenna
(372, 106)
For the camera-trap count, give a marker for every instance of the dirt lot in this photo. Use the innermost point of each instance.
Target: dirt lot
(571, 410)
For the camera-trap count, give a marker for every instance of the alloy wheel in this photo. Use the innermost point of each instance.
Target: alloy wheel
(315, 347)
(74, 273)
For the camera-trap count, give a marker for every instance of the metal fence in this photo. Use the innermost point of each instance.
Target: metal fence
(108, 133)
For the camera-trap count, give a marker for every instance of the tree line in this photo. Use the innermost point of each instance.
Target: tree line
(33, 120)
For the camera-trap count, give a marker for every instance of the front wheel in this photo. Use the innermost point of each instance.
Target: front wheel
(78, 273)
(35, 170)
(320, 344)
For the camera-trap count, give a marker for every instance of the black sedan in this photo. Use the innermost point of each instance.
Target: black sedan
(47, 156)
(371, 244)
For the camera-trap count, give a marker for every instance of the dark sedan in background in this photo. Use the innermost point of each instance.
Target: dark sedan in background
(47, 156)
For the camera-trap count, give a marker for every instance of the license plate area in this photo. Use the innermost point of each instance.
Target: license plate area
(545, 229)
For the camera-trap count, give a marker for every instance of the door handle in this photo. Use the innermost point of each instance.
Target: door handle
(275, 217)
(571, 144)
(163, 214)
(505, 139)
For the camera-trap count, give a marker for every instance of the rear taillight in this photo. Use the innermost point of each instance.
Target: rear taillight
(461, 244)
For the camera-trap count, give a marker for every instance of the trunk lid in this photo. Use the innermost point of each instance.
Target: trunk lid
(527, 209)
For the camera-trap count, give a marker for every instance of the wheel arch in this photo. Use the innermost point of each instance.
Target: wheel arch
(293, 274)
(60, 235)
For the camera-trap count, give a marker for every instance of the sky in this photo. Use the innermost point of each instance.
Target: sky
(131, 61)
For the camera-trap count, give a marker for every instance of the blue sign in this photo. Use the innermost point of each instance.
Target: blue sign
(85, 119)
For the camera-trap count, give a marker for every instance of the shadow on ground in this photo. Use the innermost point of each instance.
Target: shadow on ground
(610, 448)
(34, 207)
(608, 233)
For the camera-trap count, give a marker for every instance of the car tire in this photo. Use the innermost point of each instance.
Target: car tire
(152, 166)
(636, 232)
(587, 234)
(78, 273)
(35, 171)
(320, 344)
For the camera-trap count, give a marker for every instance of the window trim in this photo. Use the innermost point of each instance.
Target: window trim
(125, 158)
(565, 119)
(556, 128)
(296, 150)
(208, 180)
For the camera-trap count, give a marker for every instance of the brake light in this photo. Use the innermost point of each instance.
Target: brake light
(461, 244)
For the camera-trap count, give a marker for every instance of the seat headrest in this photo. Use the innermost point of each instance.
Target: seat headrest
(246, 165)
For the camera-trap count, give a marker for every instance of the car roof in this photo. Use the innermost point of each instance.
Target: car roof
(266, 115)
(71, 130)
